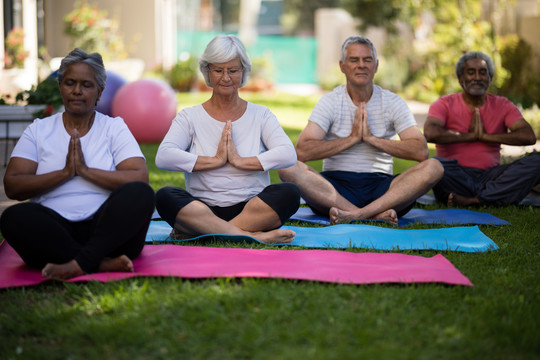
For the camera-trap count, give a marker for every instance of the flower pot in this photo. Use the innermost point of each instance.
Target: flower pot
(14, 119)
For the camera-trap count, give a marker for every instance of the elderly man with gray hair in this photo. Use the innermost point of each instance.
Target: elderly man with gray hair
(354, 129)
(469, 128)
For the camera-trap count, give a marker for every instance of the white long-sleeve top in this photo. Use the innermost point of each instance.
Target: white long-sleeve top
(257, 133)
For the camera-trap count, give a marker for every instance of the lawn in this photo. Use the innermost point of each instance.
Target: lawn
(172, 318)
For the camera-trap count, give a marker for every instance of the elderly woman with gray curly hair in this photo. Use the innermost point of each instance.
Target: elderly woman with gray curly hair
(86, 177)
(225, 147)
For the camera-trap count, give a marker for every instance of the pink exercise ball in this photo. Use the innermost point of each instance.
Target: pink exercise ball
(148, 107)
(113, 84)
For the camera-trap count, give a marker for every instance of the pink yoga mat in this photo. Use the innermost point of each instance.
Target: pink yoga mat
(209, 262)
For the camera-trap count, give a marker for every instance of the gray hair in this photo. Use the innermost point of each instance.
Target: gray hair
(357, 40)
(221, 49)
(94, 60)
(460, 66)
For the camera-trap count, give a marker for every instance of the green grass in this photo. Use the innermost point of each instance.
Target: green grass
(172, 318)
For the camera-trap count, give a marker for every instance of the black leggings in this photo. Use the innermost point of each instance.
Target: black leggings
(283, 198)
(41, 235)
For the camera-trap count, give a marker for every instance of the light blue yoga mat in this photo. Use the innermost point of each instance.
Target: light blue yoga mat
(420, 216)
(465, 239)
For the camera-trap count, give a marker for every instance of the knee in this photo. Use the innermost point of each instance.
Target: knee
(292, 173)
(291, 192)
(434, 168)
(140, 191)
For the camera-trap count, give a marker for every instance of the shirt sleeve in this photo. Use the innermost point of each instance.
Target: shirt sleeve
(323, 112)
(123, 144)
(439, 110)
(26, 146)
(281, 152)
(173, 152)
(402, 116)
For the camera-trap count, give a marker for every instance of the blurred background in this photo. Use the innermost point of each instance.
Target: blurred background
(293, 44)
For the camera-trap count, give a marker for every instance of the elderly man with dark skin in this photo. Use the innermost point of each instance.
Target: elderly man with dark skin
(354, 129)
(469, 128)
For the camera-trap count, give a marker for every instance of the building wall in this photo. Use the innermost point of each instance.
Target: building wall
(528, 30)
(137, 21)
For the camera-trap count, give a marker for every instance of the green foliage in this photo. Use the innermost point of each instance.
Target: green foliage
(523, 83)
(92, 31)
(46, 92)
(183, 74)
(333, 78)
(425, 71)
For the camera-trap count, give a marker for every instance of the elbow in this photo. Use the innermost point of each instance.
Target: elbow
(302, 156)
(13, 195)
(429, 135)
(159, 161)
(422, 155)
(532, 139)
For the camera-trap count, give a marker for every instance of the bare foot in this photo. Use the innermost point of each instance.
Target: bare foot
(278, 236)
(179, 235)
(459, 200)
(118, 264)
(338, 216)
(62, 271)
(389, 215)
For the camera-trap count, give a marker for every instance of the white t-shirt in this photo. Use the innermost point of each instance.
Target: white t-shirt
(388, 115)
(257, 133)
(46, 141)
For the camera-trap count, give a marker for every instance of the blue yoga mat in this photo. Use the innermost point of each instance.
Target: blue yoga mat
(465, 239)
(420, 216)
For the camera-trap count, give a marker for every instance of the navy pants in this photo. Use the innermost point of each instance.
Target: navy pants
(41, 235)
(500, 185)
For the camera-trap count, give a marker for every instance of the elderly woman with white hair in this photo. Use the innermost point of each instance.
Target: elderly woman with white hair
(225, 147)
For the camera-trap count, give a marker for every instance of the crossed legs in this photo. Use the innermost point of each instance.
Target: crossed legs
(403, 191)
(256, 218)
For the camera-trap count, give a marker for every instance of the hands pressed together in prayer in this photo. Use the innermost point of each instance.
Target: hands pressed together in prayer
(360, 128)
(476, 127)
(75, 163)
(227, 152)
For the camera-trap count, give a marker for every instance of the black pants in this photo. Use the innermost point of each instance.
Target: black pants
(500, 185)
(41, 235)
(283, 198)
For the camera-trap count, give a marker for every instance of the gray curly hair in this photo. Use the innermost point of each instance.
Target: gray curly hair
(94, 60)
(460, 65)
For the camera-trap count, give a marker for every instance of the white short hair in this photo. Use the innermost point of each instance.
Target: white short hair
(221, 49)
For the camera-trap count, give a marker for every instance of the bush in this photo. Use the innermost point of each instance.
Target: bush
(523, 84)
(183, 74)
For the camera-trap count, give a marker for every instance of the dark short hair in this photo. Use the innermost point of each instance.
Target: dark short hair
(94, 60)
(460, 66)
(356, 40)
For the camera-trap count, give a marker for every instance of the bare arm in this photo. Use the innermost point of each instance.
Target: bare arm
(22, 183)
(435, 132)
(311, 146)
(520, 133)
(411, 146)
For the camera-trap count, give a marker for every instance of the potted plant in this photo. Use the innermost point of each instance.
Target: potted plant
(38, 102)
